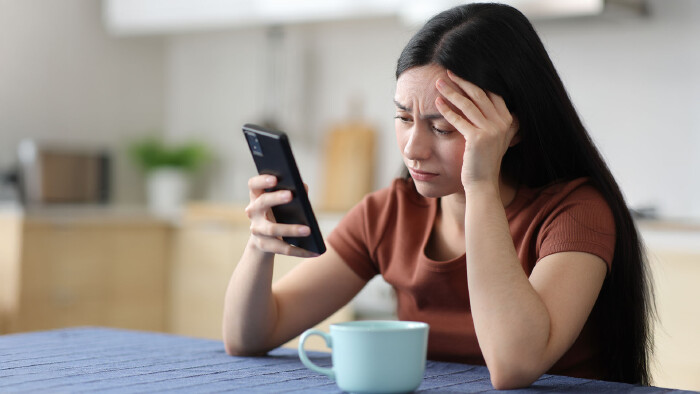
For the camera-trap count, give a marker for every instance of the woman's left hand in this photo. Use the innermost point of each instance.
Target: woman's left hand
(484, 121)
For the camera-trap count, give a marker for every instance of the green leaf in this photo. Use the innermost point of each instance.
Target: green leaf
(151, 153)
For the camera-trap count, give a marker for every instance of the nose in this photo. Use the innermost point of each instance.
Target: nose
(418, 144)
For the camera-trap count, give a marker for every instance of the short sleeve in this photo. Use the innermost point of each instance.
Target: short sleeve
(583, 222)
(351, 239)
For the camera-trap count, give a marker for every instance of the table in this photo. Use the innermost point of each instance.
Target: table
(106, 360)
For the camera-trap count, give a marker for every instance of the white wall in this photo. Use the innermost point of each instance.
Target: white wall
(635, 82)
(633, 79)
(63, 79)
(212, 89)
(218, 81)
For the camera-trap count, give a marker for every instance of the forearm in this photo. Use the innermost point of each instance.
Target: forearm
(250, 309)
(511, 321)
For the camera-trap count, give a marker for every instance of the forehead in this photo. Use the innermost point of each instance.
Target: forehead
(417, 84)
(421, 75)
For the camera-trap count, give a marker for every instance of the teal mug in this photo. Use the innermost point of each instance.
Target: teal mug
(378, 356)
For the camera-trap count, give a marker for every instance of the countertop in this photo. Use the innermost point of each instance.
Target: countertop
(110, 360)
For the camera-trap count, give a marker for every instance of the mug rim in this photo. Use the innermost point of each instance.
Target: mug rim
(370, 325)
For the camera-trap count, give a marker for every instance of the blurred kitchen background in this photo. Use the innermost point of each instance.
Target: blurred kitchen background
(123, 168)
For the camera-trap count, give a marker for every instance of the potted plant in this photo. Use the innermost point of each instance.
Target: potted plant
(168, 168)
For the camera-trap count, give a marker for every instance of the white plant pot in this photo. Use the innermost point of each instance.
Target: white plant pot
(167, 190)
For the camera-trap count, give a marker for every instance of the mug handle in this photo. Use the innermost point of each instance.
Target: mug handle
(305, 359)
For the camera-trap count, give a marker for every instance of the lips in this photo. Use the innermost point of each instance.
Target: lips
(419, 175)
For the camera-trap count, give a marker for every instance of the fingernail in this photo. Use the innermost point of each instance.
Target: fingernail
(440, 83)
(270, 180)
(304, 231)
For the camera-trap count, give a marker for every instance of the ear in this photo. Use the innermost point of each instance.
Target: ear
(517, 137)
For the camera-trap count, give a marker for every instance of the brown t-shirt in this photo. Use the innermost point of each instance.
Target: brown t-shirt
(388, 231)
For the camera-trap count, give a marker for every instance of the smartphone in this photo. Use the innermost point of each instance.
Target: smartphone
(272, 155)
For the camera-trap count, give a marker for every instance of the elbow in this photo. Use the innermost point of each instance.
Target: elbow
(236, 345)
(509, 382)
(234, 342)
(236, 350)
(508, 377)
(231, 346)
(241, 342)
(233, 350)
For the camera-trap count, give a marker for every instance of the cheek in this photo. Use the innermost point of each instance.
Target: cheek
(455, 153)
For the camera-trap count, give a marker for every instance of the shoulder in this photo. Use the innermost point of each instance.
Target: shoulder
(582, 202)
(567, 216)
(560, 196)
(576, 189)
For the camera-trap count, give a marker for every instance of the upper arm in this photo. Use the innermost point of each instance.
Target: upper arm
(568, 284)
(312, 291)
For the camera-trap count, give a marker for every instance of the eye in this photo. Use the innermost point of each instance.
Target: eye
(441, 131)
(403, 119)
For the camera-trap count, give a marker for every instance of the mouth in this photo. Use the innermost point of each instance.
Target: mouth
(419, 175)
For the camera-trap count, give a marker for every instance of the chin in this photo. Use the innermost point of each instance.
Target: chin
(429, 190)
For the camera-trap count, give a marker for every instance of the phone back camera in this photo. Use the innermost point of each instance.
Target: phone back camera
(254, 144)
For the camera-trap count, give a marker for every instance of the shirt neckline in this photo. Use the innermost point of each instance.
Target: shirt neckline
(431, 264)
(460, 261)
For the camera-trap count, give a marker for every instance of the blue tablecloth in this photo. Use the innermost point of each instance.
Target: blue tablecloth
(111, 360)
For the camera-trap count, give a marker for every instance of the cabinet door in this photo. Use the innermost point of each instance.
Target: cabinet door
(10, 228)
(136, 290)
(63, 274)
(205, 255)
(107, 274)
(676, 276)
(206, 252)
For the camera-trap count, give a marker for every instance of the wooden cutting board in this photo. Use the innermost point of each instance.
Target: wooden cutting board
(349, 165)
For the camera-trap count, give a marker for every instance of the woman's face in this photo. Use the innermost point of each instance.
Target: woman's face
(431, 147)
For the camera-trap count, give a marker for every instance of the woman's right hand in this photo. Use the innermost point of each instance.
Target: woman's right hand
(266, 234)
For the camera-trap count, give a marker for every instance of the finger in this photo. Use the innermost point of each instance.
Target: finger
(500, 105)
(253, 212)
(506, 117)
(278, 246)
(261, 204)
(265, 228)
(259, 183)
(271, 199)
(461, 124)
(476, 94)
(462, 102)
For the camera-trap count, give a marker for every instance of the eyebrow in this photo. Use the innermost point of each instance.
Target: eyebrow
(424, 117)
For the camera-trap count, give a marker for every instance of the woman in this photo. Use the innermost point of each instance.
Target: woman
(510, 237)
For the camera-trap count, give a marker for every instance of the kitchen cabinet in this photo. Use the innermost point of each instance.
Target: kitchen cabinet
(133, 271)
(131, 17)
(101, 270)
(63, 268)
(673, 251)
(10, 229)
(209, 242)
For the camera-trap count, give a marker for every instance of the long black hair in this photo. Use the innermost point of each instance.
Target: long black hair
(495, 47)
